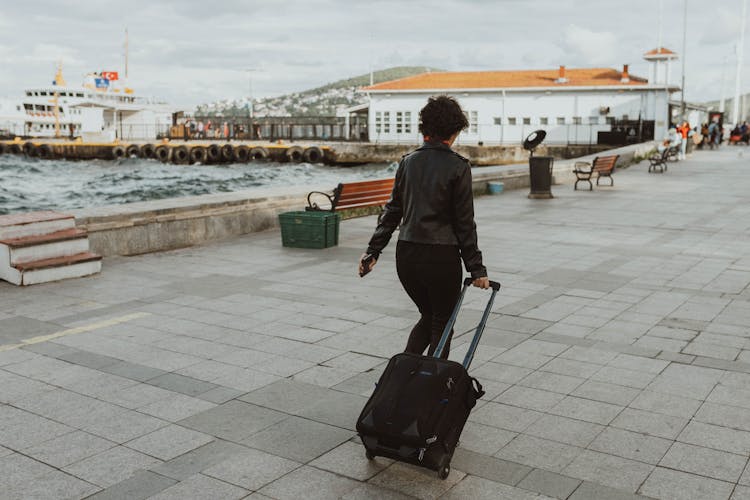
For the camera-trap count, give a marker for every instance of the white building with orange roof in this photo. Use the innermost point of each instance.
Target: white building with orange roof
(573, 105)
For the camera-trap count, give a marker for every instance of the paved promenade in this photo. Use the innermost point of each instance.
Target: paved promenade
(616, 363)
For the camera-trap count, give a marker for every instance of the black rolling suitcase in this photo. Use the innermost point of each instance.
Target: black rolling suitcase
(421, 403)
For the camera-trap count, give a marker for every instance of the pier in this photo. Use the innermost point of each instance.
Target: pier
(215, 152)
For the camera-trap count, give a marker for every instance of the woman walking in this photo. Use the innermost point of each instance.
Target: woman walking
(432, 199)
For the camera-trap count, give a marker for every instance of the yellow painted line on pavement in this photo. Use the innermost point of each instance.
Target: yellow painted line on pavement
(73, 331)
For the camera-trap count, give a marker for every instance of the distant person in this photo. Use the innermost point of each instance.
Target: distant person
(200, 130)
(683, 129)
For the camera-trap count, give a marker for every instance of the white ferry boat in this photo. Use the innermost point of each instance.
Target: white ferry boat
(103, 108)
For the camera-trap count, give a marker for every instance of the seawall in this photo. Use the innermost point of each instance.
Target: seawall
(155, 226)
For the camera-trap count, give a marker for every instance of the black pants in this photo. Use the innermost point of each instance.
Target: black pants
(431, 275)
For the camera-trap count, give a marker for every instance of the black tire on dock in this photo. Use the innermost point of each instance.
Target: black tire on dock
(213, 153)
(198, 155)
(295, 154)
(259, 154)
(162, 153)
(44, 151)
(133, 151)
(30, 149)
(3, 148)
(227, 153)
(118, 152)
(314, 155)
(180, 155)
(15, 149)
(242, 153)
(147, 151)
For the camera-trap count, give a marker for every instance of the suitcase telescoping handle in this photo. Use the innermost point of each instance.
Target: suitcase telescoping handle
(480, 328)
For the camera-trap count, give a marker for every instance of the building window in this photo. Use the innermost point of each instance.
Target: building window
(576, 120)
(561, 120)
(543, 120)
(593, 120)
(497, 120)
(473, 122)
(378, 122)
(407, 122)
(399, 122)
(526, 120)
(625, 117)
(610, 120)
(512, 120)
(386, 122)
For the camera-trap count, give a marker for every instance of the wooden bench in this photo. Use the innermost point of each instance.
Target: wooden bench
(659, 160)
(350, 195)
(603, 166)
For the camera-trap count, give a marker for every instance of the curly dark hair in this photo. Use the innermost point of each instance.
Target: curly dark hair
(441, 118)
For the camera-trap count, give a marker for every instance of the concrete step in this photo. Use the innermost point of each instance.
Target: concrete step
(47, 246)
(34, 224)
(46, 270)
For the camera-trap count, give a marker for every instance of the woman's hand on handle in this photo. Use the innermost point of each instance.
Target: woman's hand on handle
(483, 282)
(362, 265)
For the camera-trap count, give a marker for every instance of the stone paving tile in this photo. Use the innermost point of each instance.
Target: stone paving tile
(492, 468)
(673, 485)
(593, 491)
(564, 430)
(182, 384)
(571, 367)
(526, 397)
(740, 493)
(368, 492)
(308, 482)
(653, 424)
(416, 482)
(716, 437)
(125, 426)
(481, 438)
(666, 404)
(606, 393)
(549, 483)
(251, 469)
(68, 448)
(484, 489)
(724, 415)
(141, 485)
(198, 460)
(176, 407)
(585, 409)
(686, 381)
(17, 470)
(631, 445)
(53, 486)
(169, 442)
(200, 487)
(298, 439)
(346, 460)
(112, 466)
(505, 417)
(233, 420)
(538, 452)
(501, 373)
(132, 371)
(337, 408)
(619, 473)
(287, 395)
(324, 376)
(552, 382)
(705, 462)
(20, 429)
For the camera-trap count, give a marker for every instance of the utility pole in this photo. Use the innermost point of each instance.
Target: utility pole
(738, 77)
(250, 87)
(684, 58)
(722, 102)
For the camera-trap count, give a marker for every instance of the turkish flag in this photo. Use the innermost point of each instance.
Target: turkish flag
(110, 75)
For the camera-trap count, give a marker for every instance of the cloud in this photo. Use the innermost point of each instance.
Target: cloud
(590, 47)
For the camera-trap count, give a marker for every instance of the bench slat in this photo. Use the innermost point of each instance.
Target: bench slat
(370, 186)
(371, 200)
(381, 193)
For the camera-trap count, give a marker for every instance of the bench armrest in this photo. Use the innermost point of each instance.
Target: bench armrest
(311, 205)
(582, 166)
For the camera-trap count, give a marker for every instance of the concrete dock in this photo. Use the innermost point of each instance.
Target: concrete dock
(616, 362)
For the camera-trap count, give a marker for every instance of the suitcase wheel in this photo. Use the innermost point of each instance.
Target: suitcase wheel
(370, 455)
(444, 471)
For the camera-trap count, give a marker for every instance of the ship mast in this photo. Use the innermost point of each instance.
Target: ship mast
(59, 82)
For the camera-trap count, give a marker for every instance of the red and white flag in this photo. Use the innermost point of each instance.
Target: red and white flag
(110, 75)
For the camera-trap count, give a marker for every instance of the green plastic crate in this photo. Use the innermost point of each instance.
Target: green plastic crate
(313, 229)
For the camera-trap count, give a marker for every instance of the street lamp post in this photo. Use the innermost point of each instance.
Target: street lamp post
(738, 78)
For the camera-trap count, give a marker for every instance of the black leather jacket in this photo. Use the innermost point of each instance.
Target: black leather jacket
(433, 195)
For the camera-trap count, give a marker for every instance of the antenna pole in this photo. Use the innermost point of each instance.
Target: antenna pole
(126, 53)
(738, 77)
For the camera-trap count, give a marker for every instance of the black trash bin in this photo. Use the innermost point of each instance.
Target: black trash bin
(540, 176)
(540, 167)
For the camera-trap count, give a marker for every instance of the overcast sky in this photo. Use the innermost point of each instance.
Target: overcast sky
(191, 51)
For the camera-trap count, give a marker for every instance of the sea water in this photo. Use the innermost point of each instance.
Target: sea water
(28, 184)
